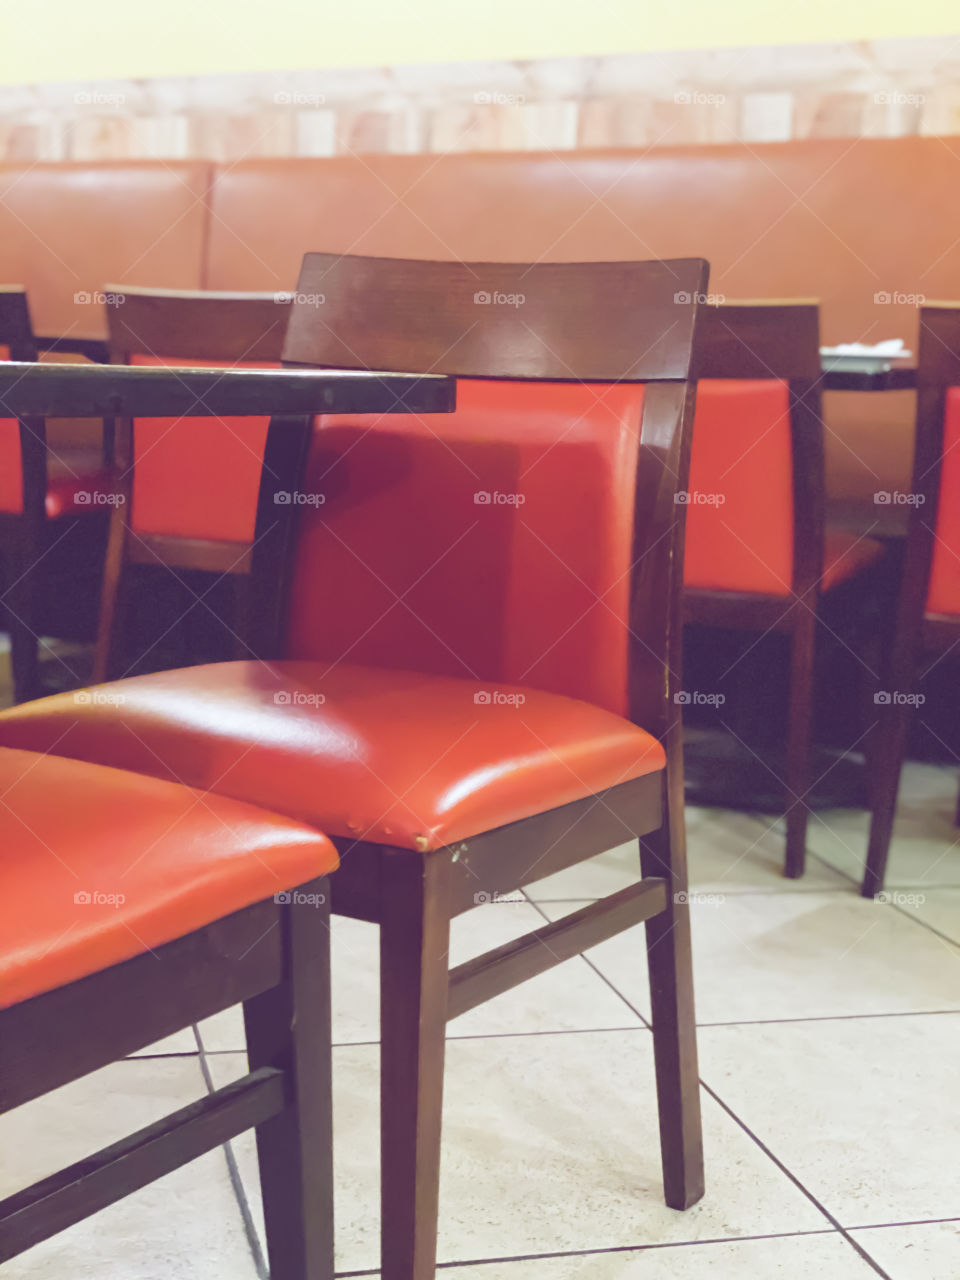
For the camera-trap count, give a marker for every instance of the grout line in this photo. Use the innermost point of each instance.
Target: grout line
(612, 1250)
(796, 1181)
(236, 1182)
(914, 1222)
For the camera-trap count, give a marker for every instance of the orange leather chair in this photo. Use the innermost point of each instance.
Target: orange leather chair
(758, 557)
(928, 613)
(511, 573)
(123, 872)
(33, 489)
(194, 485)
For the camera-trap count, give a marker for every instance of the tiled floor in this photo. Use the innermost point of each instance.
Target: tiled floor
(830, 1043)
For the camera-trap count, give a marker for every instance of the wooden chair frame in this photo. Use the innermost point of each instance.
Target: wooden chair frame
(389, 314)
(916, 631)
(272, 957)
(197, 325)
(766, 340)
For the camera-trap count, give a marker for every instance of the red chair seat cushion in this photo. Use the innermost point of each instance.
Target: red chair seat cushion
(398, 757)
(98, 865)
(845, 555)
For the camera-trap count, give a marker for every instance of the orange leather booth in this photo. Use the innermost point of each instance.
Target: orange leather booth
(866, 226)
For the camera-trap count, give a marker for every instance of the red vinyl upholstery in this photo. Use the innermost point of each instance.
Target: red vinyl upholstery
(943, 593)
(197, 477)
(496, 608)
(392, 756)
(740, 517)
(100, 865)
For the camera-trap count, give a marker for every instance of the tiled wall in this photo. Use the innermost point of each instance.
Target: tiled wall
(883, 88)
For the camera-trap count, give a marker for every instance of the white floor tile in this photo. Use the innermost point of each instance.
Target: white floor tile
(862, 1111)
(924, 1251)
(795, 955)
(187, 1226)
(550, 1143)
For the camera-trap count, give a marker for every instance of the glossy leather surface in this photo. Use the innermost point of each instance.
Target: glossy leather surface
(943, 593)
(99, 865)
(740, 514)
(493, 543)
(197, 477)
(397, 757)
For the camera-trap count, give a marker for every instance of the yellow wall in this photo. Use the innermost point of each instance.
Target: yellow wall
(52, 40)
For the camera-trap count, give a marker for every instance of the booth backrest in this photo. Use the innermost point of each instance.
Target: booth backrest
(864, 226)
(66, 229)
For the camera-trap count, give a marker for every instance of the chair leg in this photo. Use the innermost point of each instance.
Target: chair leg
(886, 763)
(109, 591)
(19, 608)
(288, 1027)
(663, 853)
(799, 723)
(414, 968)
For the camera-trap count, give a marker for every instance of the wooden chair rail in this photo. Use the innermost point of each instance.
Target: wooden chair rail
(505, 967)
(55, 1203)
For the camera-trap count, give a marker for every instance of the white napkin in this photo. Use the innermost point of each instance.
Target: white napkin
(891, 349)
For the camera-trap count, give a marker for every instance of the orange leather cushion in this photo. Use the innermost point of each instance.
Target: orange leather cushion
(198, 477)
(119, 864)
(391, 756)
(943, 593)
(11, 470)
(492, 543)
(740, 513)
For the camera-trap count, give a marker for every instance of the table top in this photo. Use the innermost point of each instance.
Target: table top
(97, 391)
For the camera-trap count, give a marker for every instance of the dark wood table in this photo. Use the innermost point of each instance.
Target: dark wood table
(899, 377)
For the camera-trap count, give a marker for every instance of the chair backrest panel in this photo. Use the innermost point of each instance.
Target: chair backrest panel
(495, 542)
(756, 496)
(497, 320)
(197, 478)
(504, 541)
(16, 343)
